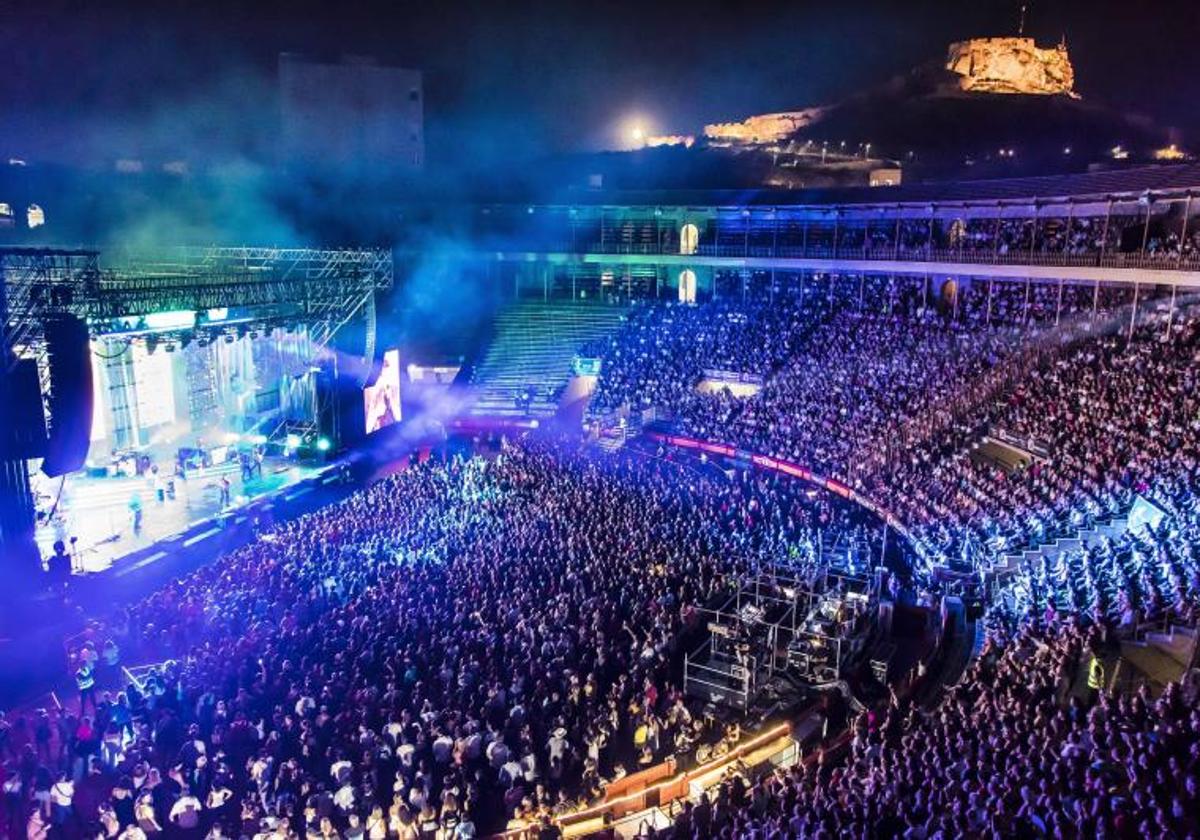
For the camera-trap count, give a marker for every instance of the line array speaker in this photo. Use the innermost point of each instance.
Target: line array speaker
(71, 394)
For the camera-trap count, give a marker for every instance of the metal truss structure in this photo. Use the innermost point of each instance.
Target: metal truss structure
(37, 283)
(322, 289)
(811, 620)
(319, 289)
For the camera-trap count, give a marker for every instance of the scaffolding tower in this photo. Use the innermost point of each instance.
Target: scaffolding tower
(806, 621)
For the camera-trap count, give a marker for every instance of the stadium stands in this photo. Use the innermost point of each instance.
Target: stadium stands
(1124, 219)
(529, 361)
(499, 641)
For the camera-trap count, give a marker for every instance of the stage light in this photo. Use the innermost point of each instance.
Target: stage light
(323, 444)
(232, 437)
(257, 440)
(293, 441)
(173, 320)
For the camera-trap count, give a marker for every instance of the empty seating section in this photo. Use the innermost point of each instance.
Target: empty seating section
(529, 360)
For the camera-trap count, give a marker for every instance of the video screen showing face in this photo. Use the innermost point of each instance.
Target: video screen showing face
(381, 401)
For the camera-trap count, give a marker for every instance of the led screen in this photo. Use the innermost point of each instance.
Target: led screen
(381, 401)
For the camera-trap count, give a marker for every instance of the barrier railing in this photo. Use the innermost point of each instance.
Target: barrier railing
(718, 375)
(778, 465)
(1164, 261)
(631, 798)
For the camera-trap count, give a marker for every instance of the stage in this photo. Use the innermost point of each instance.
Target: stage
(98, 511)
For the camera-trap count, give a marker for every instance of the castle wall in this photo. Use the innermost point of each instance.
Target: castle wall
(1011, 65)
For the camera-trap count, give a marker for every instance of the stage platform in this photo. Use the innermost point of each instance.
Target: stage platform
(97, 510)
(36, 632)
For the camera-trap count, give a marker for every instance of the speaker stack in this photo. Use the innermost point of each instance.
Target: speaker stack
(23, 436)
(71, 396)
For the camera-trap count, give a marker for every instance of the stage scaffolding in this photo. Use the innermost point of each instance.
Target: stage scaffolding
(318, 290)
(37, 283)
(807, 622)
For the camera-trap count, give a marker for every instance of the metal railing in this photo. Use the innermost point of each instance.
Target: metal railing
(1158, 261)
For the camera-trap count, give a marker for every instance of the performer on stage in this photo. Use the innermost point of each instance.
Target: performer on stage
(135, 512)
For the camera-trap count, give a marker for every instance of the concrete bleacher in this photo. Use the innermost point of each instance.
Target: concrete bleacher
(531, 351)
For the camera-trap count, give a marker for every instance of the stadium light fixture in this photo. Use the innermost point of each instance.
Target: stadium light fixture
(632, 131)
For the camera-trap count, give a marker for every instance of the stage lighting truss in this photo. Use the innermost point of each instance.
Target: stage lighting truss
(37, 283)
(321, 290)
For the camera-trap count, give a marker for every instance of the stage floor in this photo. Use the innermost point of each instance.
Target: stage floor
(97, 510)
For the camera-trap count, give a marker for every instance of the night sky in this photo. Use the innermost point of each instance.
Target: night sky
(96, 80)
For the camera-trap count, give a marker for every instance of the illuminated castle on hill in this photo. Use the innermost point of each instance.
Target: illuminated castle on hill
(1011, 65)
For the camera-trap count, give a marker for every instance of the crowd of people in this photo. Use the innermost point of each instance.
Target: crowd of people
(488, 640)
(901, 400)
(470, 643)
(1018, 749)
(894, 396)
(661, 351)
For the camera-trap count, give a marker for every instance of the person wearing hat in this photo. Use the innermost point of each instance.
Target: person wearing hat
(557, 748)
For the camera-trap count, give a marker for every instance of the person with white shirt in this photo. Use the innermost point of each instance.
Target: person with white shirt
(558, 745)
(340, 771)
(405, 753)
(344, 797)
(497, 753)
(510, 771)
(185, 813)
(443, 748)
(62, 794)
(465, 830)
